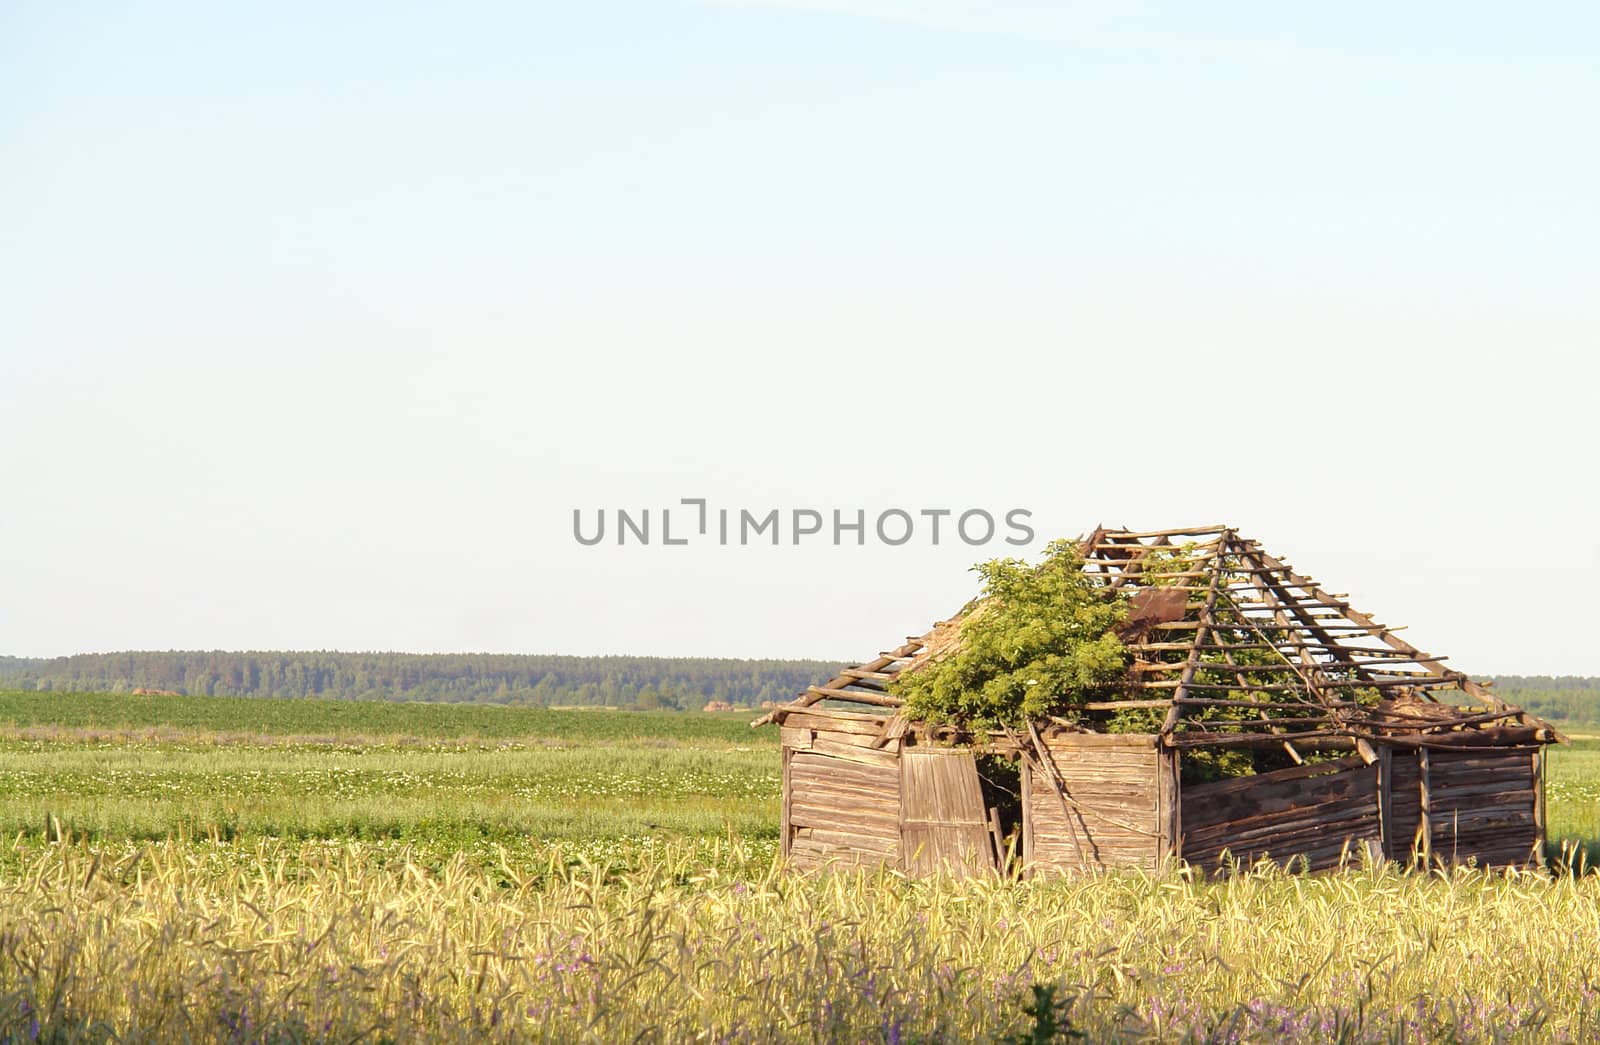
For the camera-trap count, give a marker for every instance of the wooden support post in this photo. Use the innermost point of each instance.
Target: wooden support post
(1169, 806)
(1538, 806)
(1026, 782)
(999, 840)
(1386, 800)
(1425, 796)
(783, 815)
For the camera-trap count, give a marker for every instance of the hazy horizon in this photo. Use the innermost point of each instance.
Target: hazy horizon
(415, 653)
(595, 656)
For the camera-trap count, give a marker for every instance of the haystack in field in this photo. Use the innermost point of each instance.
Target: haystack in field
(1292, 727)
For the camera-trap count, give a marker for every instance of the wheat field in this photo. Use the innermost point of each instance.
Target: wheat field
(710, 942)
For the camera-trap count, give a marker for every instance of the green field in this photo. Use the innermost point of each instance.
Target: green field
(307, 870)
(122, 716)
(105, 768)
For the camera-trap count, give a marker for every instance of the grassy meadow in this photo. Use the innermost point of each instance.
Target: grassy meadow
(106, 768)
(318, 870)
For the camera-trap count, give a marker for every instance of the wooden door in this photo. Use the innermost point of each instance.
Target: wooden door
(944, 825)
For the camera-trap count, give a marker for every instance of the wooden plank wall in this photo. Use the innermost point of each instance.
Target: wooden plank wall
(1483, 805)
(841, 799)
(944, 824)
(1315, 811)
(842, 802)
(1112, 816)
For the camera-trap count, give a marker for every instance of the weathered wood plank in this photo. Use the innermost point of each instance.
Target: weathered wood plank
(831, 791)
(1113, 806)
(1485, 822)
(878, 768)
(861, 738)
(823, 724)
(1358, 785)
(808, 856)
(1250, 783)
(1066, 743)
(1311, 842)
(1291, 842)
(845, 775)
(1101, 754)
(846, 802)
(1285, 823)
(1448, 759)
(1168, 805)
(1111, 792)
(866, 756)
(1318, 853)
(1336, 825)
(821, 764)
(1483, 795)
(854, 821)
(846, 839)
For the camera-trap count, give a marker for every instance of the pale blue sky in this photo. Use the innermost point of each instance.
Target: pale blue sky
(318, 321)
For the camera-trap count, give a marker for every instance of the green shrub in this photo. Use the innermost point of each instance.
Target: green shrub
(1039, 641)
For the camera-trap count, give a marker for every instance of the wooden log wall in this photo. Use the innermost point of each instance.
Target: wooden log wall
(1483, 805)
(841, 795)
(1315, 812)
(1112, 814)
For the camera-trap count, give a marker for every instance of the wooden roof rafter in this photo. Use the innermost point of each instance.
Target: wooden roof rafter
(1204, 620)
(848, 684)
(1261, 639)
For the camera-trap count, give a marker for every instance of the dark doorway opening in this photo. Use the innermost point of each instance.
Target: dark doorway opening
(1001, 777)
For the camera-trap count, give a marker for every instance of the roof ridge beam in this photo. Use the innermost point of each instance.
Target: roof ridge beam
(1215, 529)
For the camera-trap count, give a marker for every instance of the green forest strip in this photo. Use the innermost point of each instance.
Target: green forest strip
(683, 683)
(670, 683)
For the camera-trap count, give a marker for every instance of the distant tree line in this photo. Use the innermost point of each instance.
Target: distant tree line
(1560, 699)
(549, 681)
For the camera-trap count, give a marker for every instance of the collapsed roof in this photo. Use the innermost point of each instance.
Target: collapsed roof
(1236, 648)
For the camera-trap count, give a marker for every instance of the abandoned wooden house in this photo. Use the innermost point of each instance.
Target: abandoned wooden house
(1357, 743)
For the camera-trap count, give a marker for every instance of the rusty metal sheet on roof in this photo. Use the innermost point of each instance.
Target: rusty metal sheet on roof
(1158, 606)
